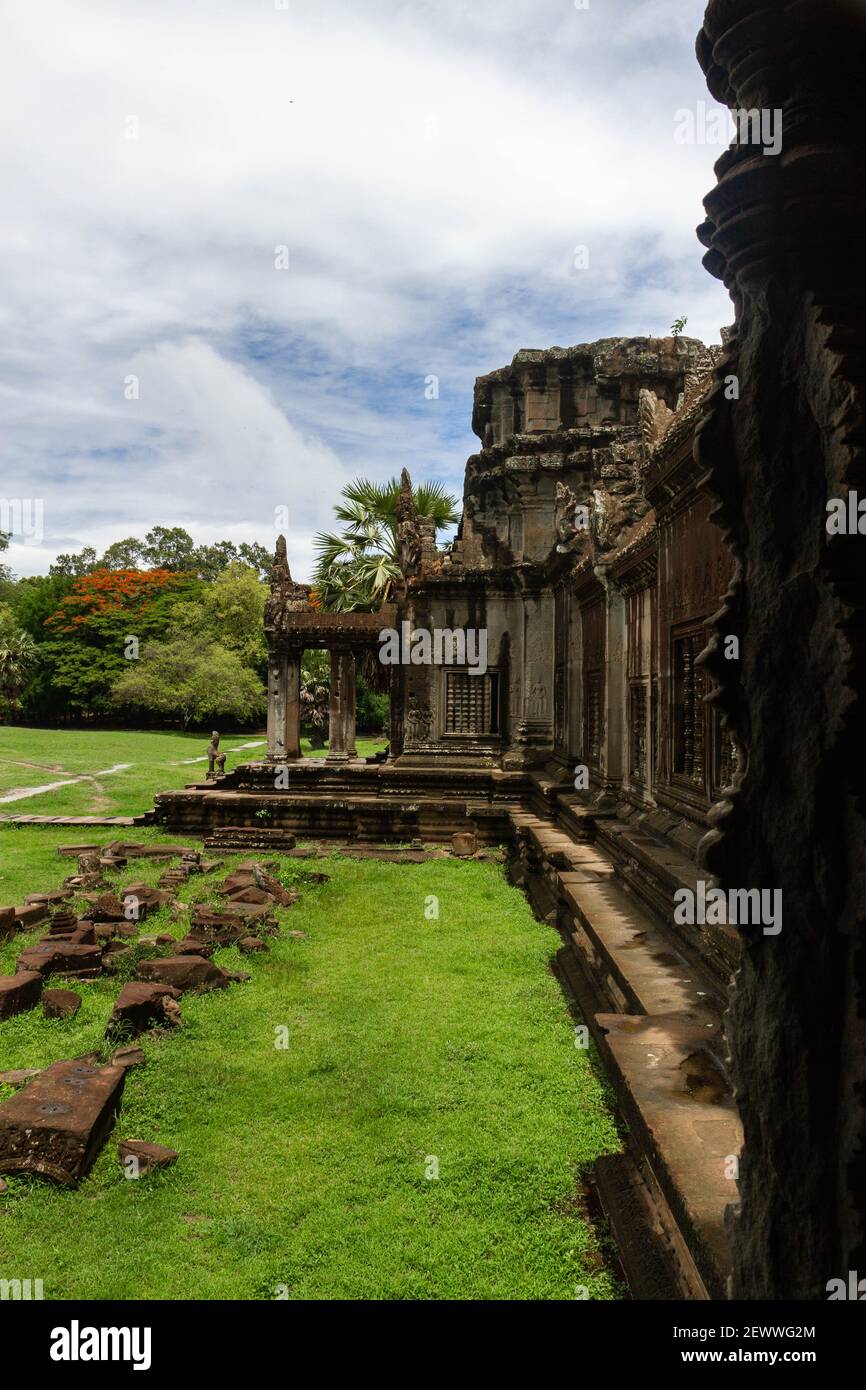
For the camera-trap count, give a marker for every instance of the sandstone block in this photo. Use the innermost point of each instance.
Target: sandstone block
(19, 992)
(60, 1003)
(139, 1006)
(184, 973)
(58, 957)
(57, 1124)
(146, 1156)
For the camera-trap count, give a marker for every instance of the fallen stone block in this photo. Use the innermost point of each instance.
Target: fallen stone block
(19, 1076)
(250, 944)
(139, 1157)
(139, 1006)
(146, 894)
(61, 958)
(193, 946)
(184, 973)
(19, 992)
(31, 915)
(106, 907)
(172, 879)
(222, 927)
(60, 1003)
(252, 894)
(57, 1124)
(8, 925)
(134, 851)
(165, 939)
(73, 851)
(56, 895)
(131, 1056)
(464, 843)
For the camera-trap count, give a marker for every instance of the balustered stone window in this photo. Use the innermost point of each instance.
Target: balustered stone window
(689, 712)
(471, 703)
(637, 733)
(592, 717)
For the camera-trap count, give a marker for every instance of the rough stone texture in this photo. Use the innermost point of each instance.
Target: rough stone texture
(251, 944)
(193, 946)
(57, 1124)
(781, 232)
(55, 957)
(31, 915)
(19, 992)
(464, 844)
(147, 1156)
(184, 973)
(139, 1006)
(8, 925)
(19, 1076)
(130, 1056)
(60, 1003)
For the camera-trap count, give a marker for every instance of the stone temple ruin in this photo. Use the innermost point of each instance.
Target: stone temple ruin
(669, 710)
(668, 613)
(587, 561)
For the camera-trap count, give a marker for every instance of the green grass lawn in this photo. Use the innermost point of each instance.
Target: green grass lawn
(157, 762)
(416, 1047)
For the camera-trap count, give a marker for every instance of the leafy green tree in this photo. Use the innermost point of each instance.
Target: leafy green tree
(169, 548)
(19, 656)
(36, 598)
(194, 682)
(357, 568)
(88, 634)
(123, 555)
(230, 610)
(74, 565)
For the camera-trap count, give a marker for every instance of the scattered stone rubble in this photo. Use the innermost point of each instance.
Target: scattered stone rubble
(59, 1117)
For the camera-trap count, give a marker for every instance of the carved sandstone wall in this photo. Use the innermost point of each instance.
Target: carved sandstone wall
(782, 232)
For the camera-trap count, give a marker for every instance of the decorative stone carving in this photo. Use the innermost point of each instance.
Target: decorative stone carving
(572, 514)
(409, 538)
(286, 596)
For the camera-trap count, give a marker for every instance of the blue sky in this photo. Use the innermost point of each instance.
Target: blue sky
(429, 168)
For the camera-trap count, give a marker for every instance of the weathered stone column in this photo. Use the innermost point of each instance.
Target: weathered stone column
(293, 706)
(782, 232)
(341, 723)
(614, 688)
(284, 707)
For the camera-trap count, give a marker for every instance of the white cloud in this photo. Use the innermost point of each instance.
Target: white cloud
(430, 168)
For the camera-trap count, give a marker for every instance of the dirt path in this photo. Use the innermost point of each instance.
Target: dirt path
(21, 793)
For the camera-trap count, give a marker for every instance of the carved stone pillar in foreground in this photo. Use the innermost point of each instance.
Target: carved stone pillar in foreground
(284, 706)
(341, 724)
(783, 231)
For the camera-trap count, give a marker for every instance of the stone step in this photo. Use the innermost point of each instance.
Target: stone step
(679, 1110)
(630, 952)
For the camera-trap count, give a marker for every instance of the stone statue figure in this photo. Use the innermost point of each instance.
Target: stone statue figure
(216, 761)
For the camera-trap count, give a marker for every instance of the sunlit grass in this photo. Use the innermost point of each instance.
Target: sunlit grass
(416, 1045)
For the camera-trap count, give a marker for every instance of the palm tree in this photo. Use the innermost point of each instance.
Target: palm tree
(358, 568)
(18, 657)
